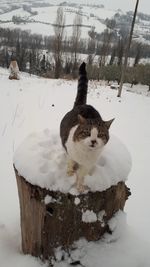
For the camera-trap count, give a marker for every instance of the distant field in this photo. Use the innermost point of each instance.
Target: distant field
(46, 16)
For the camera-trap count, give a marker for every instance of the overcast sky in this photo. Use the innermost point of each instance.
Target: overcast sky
(125, 5)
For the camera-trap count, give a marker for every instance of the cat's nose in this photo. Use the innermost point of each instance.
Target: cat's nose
(93, 142)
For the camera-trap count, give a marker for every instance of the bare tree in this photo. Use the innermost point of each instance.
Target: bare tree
(138, 53)
(127, 51)
(76, 36)
(91, 46)
(120, 50)
(107, 37)
(105, 47)
(58, 41)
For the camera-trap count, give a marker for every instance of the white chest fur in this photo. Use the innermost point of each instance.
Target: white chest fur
(81, 152)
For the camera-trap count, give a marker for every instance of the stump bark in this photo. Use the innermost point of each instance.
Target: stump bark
(53, 219)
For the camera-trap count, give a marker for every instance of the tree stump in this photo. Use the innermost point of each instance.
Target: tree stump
(53, 219)
(14, 70)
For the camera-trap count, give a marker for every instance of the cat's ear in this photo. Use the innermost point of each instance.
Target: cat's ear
(108, 123)
(81, 119)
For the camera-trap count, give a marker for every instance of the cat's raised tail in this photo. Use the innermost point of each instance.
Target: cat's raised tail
(82, 86)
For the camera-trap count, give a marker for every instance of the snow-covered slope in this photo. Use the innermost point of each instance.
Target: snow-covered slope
(33, 104)
(42, 22)
(39, 16)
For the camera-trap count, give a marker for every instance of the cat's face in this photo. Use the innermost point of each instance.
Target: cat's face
(93, 134)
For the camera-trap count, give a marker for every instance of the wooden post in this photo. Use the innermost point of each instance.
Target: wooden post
(127, 51)
(53, 219)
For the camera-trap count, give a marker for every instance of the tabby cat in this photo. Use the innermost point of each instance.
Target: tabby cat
(83, 133)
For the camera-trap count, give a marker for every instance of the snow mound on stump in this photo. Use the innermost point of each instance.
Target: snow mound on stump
(41, 160)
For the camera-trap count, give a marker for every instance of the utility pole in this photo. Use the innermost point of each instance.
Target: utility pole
(127, 51)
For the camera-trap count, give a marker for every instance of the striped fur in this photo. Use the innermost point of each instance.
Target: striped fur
(82, 86)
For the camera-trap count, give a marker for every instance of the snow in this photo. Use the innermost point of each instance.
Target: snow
(26, 107)
(112, 251)
(77, 201)
(16, 12)
(41, 160)
(37, 28)
(48, 199)
(101, 13)
(48, 30)
(101, 215)
(89, 216)
(48, 15)
(91, 17)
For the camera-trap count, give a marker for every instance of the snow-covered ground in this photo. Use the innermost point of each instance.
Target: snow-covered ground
(41, 160)
(16, 12)
(33, 104)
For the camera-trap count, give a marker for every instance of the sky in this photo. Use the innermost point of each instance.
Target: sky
(125, 5)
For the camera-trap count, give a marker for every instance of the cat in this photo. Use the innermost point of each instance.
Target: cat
(83, 133)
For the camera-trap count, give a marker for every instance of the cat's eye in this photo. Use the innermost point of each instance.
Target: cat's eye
(87, 133)
(101, 135)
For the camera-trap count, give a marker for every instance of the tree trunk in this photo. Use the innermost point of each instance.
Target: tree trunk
(53, 219)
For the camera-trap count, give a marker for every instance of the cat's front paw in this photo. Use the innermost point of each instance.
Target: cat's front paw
(70, 172)
(72, 166)
(82, 188)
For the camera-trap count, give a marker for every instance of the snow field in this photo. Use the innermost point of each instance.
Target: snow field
(33, 104)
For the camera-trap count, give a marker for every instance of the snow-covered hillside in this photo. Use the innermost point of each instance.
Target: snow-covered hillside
(42, 21)
(33, 104)
(39, 17)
